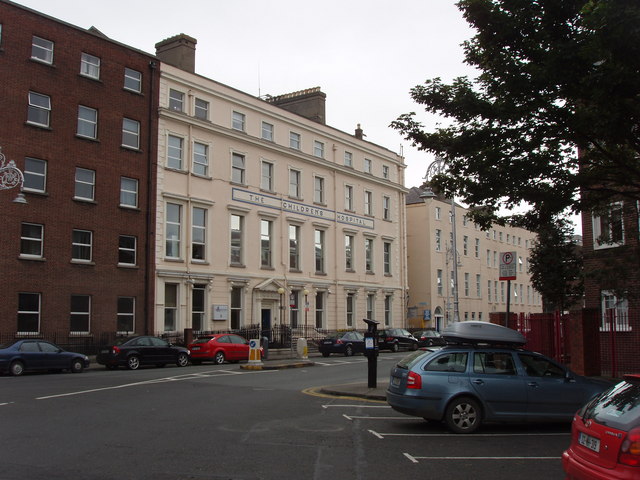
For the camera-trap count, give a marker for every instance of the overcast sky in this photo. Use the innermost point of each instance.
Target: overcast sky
(364, 54)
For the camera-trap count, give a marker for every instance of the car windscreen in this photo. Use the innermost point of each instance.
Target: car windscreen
(619, 407)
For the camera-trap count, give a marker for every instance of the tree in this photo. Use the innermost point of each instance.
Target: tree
(555, 78)
(556, 266)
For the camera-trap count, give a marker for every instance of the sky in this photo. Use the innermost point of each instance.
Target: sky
(364, 54)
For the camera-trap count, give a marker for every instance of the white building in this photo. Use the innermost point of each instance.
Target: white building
(269, 217)
(432, 271)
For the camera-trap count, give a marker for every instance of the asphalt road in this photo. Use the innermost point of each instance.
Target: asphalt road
(221, 422)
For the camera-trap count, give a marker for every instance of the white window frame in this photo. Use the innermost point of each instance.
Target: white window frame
(319, 250)
(87, 122)
(23, 312)
(617, 209)
(127, 250)
(267, 131)
(318, 149)
(368, 203)
(238, 121)
(85, 178)
(318, 190)
(266, 175)
(348, 198)
(295, 183)
(42, 50)
(173, 230)
(40, 106)
(130, 132)
(175, 152)
(619, 308)
(132, 80)
(85, 316)
(236, 239)
(35, 176)
(238, 168)
(78, 247)
(200, 159)
(386, 207)
(201, 109)
(129, 314)
(348, 159)
(30, 239)
(368, 166)
(198, 234)
(90, 66)
(295, 141)
(126, 192)
(176, 100)
(266, 243)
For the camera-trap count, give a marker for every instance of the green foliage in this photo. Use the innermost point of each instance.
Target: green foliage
(554, 77)
(556, 266)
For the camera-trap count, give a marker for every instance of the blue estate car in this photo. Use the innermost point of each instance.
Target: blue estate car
(465, 385)
(20, 356)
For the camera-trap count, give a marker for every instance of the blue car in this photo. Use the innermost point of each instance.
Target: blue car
(465, 385)
(21, 356)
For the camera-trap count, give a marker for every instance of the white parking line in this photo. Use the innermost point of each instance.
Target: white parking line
(180, 378)
(351, 417)
(383, 435)
(415, 459)
(355, 406)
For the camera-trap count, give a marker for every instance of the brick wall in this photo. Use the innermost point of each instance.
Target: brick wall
(55, 277)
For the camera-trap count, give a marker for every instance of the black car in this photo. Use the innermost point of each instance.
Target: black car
(395, 339)
(136, 351)
(20, 356)
(346, 343)
(429, 338)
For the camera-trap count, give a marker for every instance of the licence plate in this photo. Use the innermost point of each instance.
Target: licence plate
(329, 342)
(588, 441)
(395, 381)
(104, 351)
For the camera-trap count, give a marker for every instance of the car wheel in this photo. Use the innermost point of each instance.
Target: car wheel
(183, 359)
(395, 347)
(133, 362)
(463, 415)
(325, 354)
(219, 358)
(17, 368)
(77, 366)
(348, 351)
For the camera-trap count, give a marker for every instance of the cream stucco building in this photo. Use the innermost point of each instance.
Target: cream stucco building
(431, 296)
(265, 216)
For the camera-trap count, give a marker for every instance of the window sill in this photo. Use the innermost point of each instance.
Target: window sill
(129, 207)
(89, 139)
(84, 200)
(32, 258)
(38, 126)
(128, 266)
(173, 260)
(237, 265)
(131, 149)
(83, 262)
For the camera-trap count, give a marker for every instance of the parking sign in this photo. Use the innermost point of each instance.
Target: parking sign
(508, 265)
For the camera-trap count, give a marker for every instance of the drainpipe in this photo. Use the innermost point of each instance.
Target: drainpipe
(149, 269)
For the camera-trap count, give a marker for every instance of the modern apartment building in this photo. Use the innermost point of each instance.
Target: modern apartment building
(268, 216)
(432, 271)
(79, 119)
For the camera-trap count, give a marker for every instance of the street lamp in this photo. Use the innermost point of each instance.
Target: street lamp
(437, 167)
(281, 297)
(10, 177)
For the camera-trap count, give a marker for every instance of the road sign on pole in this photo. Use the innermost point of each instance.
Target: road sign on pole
(508, 265)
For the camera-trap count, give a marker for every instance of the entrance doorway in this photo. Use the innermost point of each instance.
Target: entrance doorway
(265, 323)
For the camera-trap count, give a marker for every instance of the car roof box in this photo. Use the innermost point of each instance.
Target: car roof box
(482, 332)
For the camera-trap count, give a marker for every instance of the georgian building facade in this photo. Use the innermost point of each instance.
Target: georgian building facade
(268, 217)
(431, 265)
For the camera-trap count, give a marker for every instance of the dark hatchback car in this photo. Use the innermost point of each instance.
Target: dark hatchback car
(429, 338)
(30, 355)
(136, 351)
(605, 435)
(466, 385)
(395, 339)
(346, 343)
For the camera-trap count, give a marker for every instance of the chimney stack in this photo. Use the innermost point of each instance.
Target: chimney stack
(309, 103)
(179, 51)
(359, 133)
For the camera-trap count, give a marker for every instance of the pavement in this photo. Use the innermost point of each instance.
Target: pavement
(357, 390)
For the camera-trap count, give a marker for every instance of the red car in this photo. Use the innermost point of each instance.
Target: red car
(218, 348)
(605, 436)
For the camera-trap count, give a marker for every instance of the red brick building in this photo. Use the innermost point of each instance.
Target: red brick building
(612, 287)
(79, 118)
